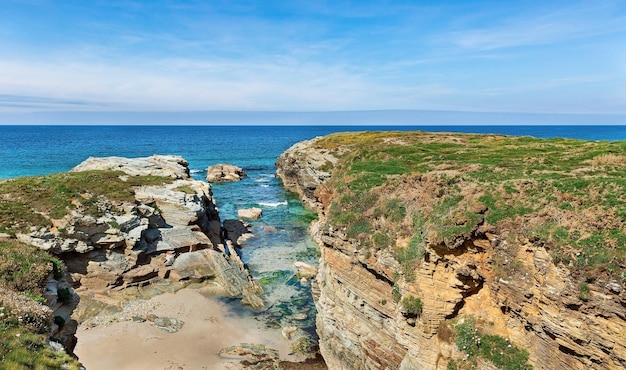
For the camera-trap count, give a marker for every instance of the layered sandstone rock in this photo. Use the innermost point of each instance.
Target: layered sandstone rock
(525, 296)
(170, 231)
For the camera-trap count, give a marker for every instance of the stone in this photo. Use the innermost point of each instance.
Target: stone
(193, 265)
(169, 258)
(289, 331)
(139, 274)
(168, 324)
(255, 356)
(156, 165)
(225, 173)
(305, 270)
(237, 231)
(250, 213)
(614, 287)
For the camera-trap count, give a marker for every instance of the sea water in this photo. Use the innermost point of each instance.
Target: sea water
(281, 234)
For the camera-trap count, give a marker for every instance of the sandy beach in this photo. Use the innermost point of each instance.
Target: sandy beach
(208, 327)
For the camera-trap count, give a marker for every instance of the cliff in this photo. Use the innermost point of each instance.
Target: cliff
(117, 223)
(466, 251)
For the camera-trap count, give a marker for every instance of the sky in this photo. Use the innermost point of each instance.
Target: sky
(528, 57)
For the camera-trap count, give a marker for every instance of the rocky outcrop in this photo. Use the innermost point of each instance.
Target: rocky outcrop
(225, 173)
(170, 232)
(303, 169)
(516, 290)
(157, 165)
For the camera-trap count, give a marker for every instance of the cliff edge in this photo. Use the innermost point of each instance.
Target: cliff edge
(466, 251)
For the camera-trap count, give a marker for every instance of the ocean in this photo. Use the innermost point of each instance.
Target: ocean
(282, 231)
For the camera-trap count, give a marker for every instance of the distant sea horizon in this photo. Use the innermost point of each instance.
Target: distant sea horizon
(375, 117)
(28, 150)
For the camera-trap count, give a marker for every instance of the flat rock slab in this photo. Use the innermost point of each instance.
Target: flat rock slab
(156, 165)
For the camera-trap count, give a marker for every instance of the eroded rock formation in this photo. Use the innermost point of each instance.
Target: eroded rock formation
(516, 289)
(170, 232)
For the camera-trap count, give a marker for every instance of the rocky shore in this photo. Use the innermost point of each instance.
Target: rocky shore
(410, 303)
(144, 248)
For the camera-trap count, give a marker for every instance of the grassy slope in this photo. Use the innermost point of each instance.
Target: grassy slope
(567, 194)
(29, 202)
(24, 320)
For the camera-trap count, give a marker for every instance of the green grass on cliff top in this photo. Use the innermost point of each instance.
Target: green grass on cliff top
(568, 194)
(31, 201)
(24, 326)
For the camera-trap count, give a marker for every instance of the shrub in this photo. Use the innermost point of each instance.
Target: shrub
(59, 321)
(584, 292)
(395, 293)
(64, 295)
(412, 305)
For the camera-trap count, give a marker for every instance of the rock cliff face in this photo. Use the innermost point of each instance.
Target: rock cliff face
(513, 288)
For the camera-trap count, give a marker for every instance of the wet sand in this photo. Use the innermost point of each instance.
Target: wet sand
(208, 327)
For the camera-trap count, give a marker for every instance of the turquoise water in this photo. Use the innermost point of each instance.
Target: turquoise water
(281, 232)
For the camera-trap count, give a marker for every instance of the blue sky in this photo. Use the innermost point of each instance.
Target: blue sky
(477, 56)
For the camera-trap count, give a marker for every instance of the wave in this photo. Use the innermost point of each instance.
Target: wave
(196, 171)
(265, 178)
(273, 204)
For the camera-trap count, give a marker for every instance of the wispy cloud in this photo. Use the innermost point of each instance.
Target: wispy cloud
(544, 26)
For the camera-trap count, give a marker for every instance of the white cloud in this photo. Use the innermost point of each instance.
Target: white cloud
(577, 21)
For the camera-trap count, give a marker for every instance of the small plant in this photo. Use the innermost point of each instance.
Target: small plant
(60, 321)
(186, 189)
(395, 293)
(412, 305)
(64, 295)
(57, 268)
(114, 224)
(494, 348)
(584, 292)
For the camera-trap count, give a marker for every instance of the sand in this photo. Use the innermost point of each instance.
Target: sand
(209, 327)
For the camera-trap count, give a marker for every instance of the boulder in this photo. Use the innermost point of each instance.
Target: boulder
(305, 270)
(237, 231)
(255, 356)
(250, 213)
(225, 173)
(156, 165)
(196, 266)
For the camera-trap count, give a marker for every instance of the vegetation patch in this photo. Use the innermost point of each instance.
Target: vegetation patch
(493, 348)
(412, 305)
(30, 201)
(566, 194)
(24, 320)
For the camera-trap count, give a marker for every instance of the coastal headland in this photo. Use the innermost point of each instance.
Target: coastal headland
(459, 251)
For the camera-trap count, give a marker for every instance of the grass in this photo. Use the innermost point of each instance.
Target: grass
(567, 194)
(412, 305)
(23, 268)
(493, 348)
(24, 320)
(31, 201)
